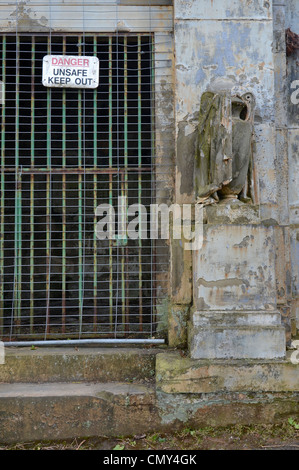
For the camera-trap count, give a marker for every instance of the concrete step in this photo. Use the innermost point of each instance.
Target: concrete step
(86, 364)
(52, 411)
(183, 375)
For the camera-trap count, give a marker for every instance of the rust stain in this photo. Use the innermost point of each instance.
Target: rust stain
(292, 42)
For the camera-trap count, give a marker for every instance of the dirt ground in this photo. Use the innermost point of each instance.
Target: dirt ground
(283, 436)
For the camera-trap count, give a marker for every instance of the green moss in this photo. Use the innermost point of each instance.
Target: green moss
(162, 317)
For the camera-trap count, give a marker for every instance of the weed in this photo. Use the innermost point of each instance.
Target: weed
(293, 423)
(119, 447)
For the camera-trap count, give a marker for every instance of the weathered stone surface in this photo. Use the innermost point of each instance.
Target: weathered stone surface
(199, 67)
(295, 272)
(177, 326)
(281, 108)
(185, 151)
(38, 412)
(293, 192)
(292, 71)
(231, 212)
(222, 319)
(292, 12)
(266, 176)
(176, 374)
(224, 409)
(224, 145)
(61, 411)
(85, 364)
(237, 342)
(181, 273)
(218, 9)
(234, 270)
(235, 312)
(213, 157)
(247, 64)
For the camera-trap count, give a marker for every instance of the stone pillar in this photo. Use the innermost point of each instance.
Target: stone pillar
(291, 12)
(235, 313)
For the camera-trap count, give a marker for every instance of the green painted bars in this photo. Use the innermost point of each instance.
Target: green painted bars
(64, 152)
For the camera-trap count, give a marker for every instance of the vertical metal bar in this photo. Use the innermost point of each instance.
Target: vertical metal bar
(18, 201)
(32, 147)
(80, 246)
(110, 184)
(154, 296)
(126, 267)
(95, 162)
(48, 203)
(140, 185)
(123, 289)
(63, 280)
(2, 189)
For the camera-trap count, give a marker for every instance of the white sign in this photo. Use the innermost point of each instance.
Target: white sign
(67, 71)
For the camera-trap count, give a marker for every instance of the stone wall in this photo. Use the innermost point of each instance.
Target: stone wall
(292, 14)
(240, 45)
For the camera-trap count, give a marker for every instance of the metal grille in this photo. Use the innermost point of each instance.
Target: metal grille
(64, 152)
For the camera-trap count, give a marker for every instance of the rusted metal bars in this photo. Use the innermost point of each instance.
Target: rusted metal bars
(48, 153)
(125, 254)
(80, 193)
(140, 184)
(63, 267)
(95, 196)
(48, 205)
(2, 190)
(153, 173)
(110, 144)
(32, 152)
(18, 201)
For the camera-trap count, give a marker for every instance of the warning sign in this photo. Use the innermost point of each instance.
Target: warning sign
(67, 71)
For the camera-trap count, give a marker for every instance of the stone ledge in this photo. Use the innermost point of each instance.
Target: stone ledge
(65, 410)
(78, 364)
(231, 211)
(176, 374)
(52, 411)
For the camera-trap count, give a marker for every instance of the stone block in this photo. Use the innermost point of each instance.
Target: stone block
(237, 342)
(222, 9)
(247, 64)
(183, 375)
(234, 270)
(235, 313)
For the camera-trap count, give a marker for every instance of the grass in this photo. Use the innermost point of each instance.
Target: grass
(284, 436)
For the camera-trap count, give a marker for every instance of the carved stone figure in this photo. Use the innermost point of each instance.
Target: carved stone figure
(224, 145)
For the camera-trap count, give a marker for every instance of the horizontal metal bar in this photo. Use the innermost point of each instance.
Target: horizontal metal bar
(76, 171)
(82, 341)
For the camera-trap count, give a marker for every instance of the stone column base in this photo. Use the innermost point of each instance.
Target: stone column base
(236, 335)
